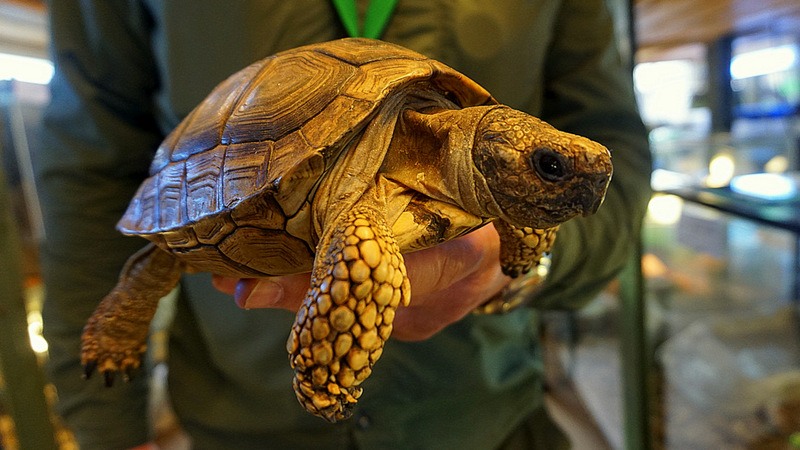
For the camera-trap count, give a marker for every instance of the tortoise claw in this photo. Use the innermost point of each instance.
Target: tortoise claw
(514, 271)
(108, 377)
(88, 369)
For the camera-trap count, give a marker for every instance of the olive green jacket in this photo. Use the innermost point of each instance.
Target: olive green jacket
(128, 71)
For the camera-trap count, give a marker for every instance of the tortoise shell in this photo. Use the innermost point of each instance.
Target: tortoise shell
(241, 169)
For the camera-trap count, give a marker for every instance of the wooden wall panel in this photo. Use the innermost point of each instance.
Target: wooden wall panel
(672, 23)
(23, 28)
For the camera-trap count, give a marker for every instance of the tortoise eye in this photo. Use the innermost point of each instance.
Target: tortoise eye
(550, 165)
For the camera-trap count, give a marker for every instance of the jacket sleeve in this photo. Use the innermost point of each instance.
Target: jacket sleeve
(99, 136)
(588, 91)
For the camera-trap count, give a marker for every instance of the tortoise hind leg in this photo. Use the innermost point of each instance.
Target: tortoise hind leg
(115, 337)
(359, 280)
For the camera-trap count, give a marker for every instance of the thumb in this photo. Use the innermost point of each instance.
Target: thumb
(285, 292)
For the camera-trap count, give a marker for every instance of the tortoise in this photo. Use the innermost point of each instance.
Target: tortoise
(337, 158)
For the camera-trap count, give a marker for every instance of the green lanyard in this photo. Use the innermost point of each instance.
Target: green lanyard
(378, 13)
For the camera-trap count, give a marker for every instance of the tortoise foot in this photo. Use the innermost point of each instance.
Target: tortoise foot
(110, 354)
(331, 403)
(358, 283)
(115, 337)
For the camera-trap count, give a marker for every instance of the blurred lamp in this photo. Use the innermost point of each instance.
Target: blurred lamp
(25, 69)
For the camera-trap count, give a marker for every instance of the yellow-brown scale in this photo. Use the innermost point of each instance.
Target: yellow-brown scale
(347, 314)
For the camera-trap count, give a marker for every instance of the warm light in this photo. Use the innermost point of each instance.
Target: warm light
(35, 327)
(25, 68)
(720, 170)
(768, 186)
(665, 209)
(763, 61)
(39, 344)
(777, 164)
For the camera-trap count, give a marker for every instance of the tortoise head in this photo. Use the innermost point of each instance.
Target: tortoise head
(538, 176)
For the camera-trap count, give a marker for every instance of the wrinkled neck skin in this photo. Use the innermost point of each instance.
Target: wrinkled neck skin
(431, 153)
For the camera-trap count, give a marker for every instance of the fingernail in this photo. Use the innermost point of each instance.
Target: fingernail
(265, 294)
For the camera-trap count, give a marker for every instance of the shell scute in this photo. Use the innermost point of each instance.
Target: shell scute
(333, 124)
(260, 211)
(202, 129)
(460, 89)
(211, 232)
(267, 251)
(245, 170)
(363, 51)
(181, 238)
(203, 174)
(171, 196)
(294, 169)
(290, 91)
(163, 154)
(211, 259)
(142, 210)
(377, 80)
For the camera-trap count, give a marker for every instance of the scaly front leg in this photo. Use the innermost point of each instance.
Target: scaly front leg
(359, 280)
(115, 337)
(522, 248)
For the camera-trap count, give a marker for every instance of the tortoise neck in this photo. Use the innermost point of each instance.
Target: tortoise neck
(431, 152)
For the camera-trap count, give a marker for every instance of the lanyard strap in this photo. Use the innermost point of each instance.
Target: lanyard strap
(378, 14)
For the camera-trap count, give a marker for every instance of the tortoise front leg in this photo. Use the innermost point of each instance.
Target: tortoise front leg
(115, 337)
(522, 248)
(358, 281)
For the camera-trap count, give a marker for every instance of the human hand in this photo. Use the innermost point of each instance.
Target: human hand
(448, 281)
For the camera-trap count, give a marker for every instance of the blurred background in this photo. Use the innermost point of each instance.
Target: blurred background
(705, 354)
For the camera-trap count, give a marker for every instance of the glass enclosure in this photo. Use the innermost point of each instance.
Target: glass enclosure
(721, 264)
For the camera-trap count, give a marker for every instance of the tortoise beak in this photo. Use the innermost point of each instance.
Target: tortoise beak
(591, 206)
(595, 193)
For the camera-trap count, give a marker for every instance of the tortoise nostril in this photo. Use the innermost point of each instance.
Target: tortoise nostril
(601, 183)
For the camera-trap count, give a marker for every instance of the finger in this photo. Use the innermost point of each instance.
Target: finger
(224, 284)
(286, 292)
(435, 269)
